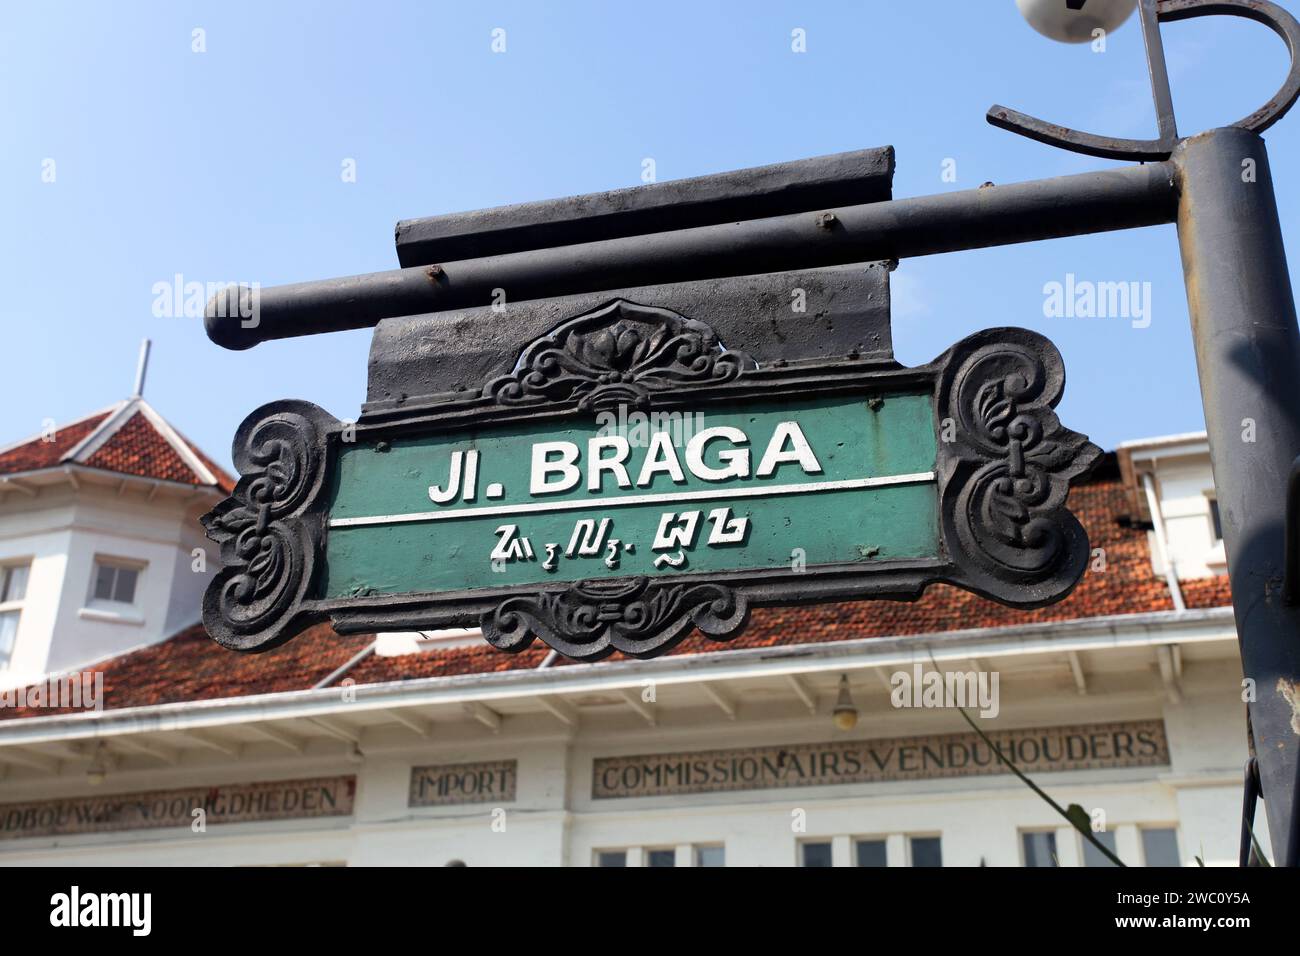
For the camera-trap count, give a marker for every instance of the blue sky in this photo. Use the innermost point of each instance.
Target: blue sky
(225, 166)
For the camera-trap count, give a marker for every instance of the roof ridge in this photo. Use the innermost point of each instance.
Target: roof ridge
(4, 449)
(179, 443)
(123, 414)
(99, 435)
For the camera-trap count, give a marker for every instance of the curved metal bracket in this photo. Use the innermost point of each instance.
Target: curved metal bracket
(1153, 13)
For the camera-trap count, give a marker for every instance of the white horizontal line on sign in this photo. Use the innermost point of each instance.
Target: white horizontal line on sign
(670, 497)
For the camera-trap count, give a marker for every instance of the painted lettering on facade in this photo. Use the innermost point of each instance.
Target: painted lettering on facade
(449, 784)
(1089, 747)
(224, 803)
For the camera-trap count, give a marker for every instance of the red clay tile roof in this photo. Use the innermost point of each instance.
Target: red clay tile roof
(135, 447)
(224, 480)
(191, 667)
(39, 453)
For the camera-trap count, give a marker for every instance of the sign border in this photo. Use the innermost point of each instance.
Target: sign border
(1004, 465)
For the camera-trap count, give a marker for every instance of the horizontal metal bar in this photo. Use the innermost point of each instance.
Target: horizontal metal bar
(841, 179)
(1123, 198)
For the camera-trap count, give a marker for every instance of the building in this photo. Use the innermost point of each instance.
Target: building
(99, 539)
(430, 749)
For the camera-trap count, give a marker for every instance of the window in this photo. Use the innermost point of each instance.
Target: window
(13, 588)
(869, 853)
(815, 853)
(8, 636)
(926, 851)
(1094, 857)
(710, 856)
(1040, 848)
(13, 582)
(706, 854)
(1216, 522)
(114, 582)
(1160, 846)
(660, 858)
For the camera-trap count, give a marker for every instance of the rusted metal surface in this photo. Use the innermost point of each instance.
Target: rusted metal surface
(1248, 356)
(841, 179)
(425, 360)
(969, 219)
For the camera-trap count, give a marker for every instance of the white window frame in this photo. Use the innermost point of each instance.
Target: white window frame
(105, 609)
(14, 606)
(829, 841)
(1035, 831)
(696, 849)
(598, 851)
(923, 835)
(657, 848)
(882, 838)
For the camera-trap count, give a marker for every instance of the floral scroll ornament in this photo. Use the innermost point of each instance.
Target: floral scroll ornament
(1007, 473)
(592, 619)
(268, 540)
(618, 355)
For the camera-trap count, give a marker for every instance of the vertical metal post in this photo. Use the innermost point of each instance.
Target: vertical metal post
(1248, 356)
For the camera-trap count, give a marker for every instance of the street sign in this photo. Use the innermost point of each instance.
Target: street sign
(631, 478)
(1003, 463)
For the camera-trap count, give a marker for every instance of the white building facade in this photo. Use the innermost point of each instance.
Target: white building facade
(100, 546)
(1127, 700)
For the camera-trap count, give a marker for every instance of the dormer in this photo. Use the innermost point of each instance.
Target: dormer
(100, 546)
(1171, 490)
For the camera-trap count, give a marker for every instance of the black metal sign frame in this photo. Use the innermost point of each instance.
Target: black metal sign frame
(1002, 482)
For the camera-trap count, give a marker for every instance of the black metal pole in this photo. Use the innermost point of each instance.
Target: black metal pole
(1248, 355)
(1122, 198)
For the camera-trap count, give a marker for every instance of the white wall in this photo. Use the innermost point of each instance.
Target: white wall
(555, 820)
(1185, 486)
(62, 531)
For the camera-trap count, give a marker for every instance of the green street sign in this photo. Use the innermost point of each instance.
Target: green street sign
(774, 485)
(632, 478)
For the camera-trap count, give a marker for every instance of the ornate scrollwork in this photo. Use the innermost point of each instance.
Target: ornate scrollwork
(268, 545)
(592, 619)
(1151, 14)
(1007, 471)
(617, 355)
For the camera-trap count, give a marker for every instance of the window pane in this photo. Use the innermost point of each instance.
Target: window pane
(125, 589)
(1040, 849)
(816, 854)
(710, 856)
(103, 582)
(871, 853)
(661, 858)
(1160, 847)
(926, 851)
(1094, 857)
(8, 631)
(611, 858)
(1216, 519)
(14, 585)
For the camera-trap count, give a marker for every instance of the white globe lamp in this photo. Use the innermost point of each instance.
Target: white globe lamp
(1075, 21)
